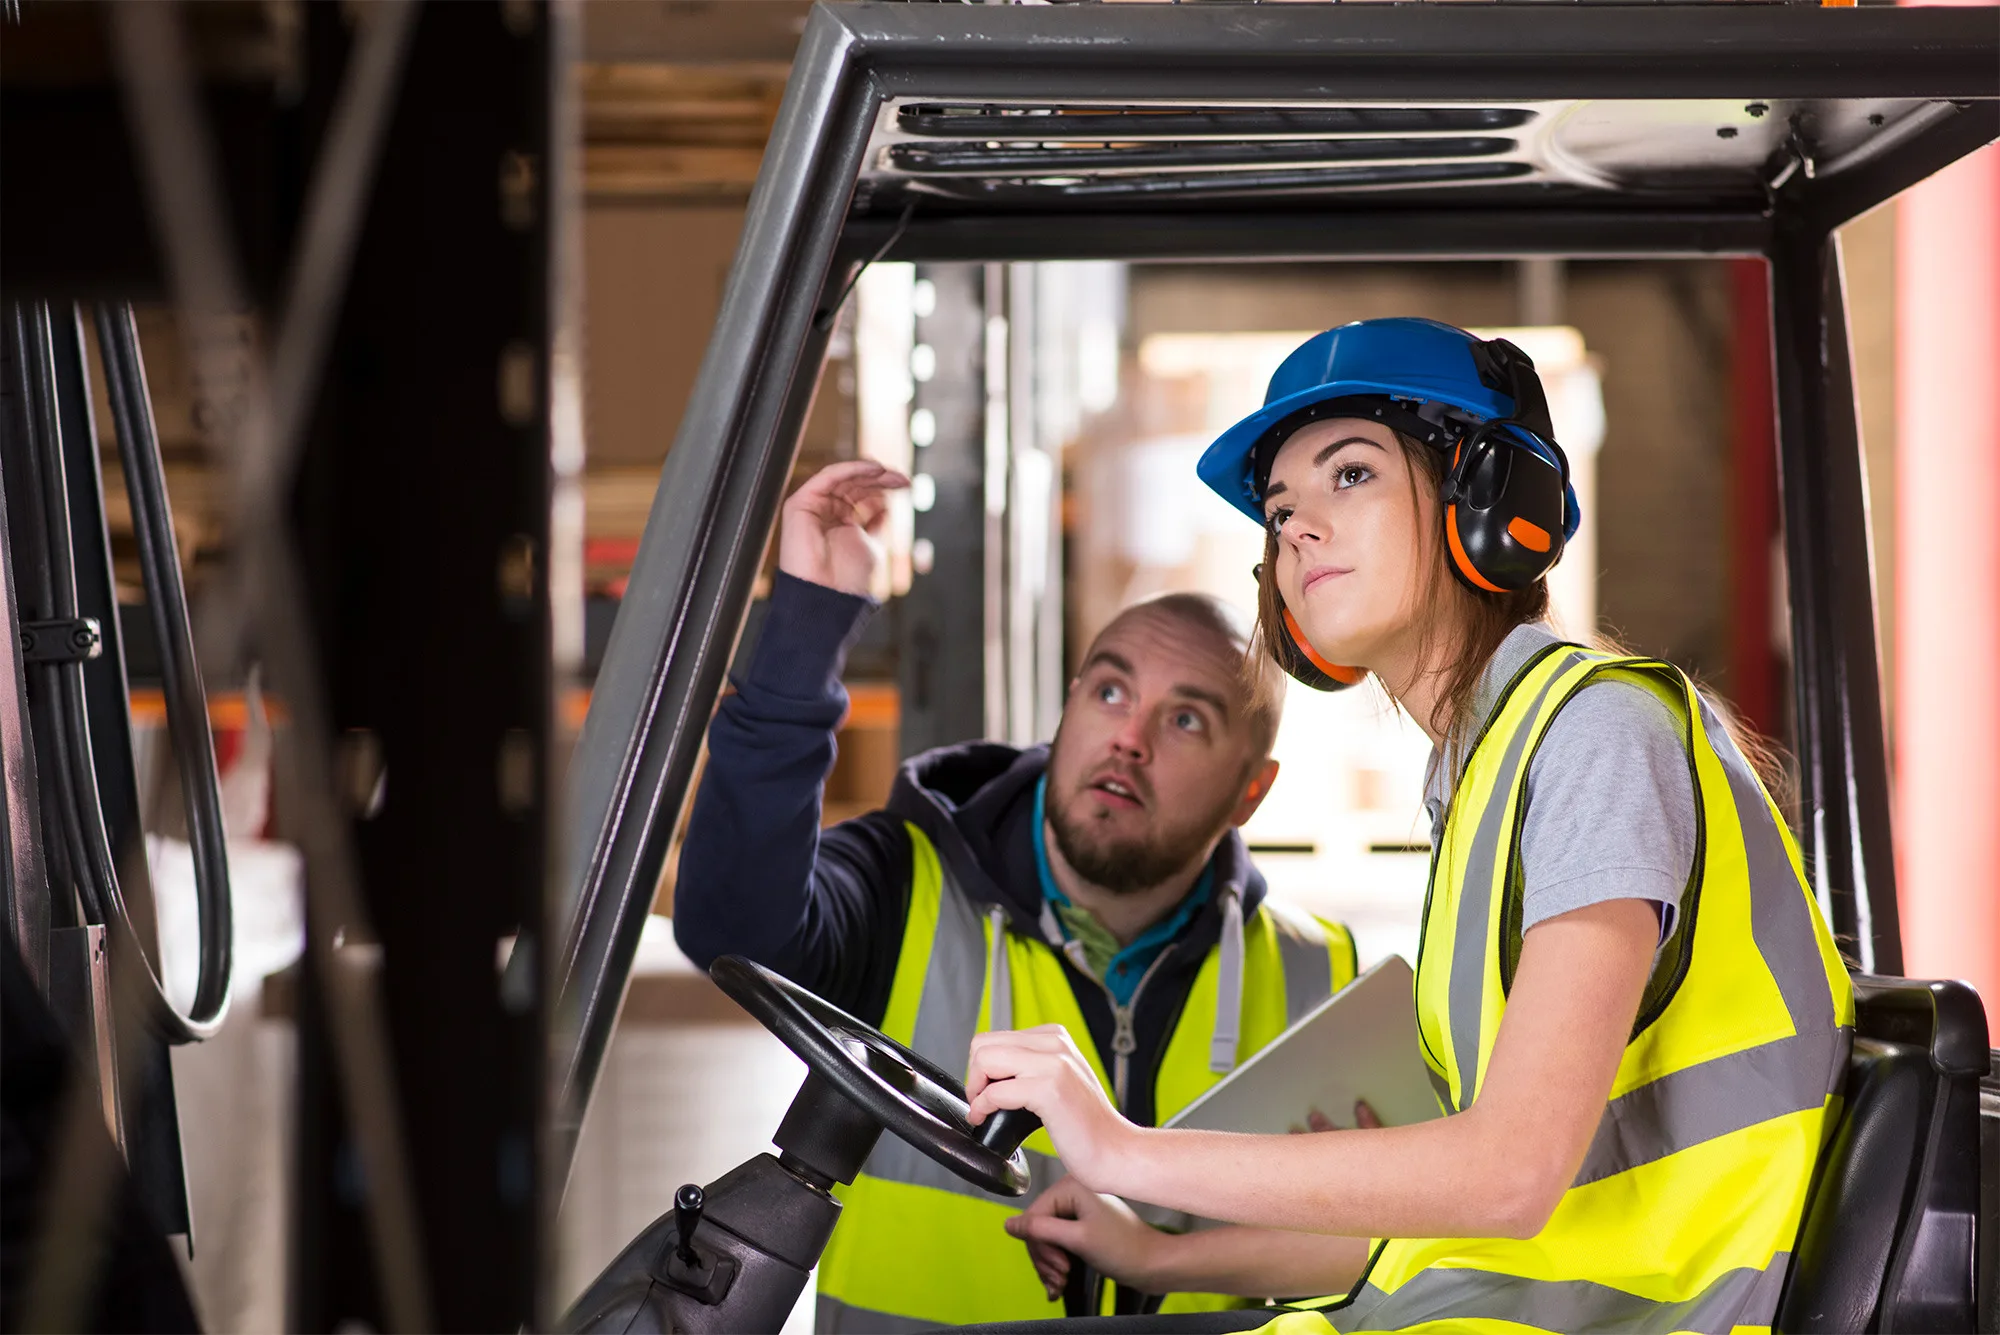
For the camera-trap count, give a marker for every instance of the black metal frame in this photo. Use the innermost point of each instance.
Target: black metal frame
(808, 230)
(452, 1220)
(237, 186)
(441, 689)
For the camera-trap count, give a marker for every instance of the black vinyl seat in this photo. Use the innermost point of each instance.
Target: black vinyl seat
(1888, 1241)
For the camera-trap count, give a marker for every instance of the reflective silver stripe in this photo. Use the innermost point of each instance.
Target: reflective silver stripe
(1469, 941)
(1781, 920)
(1696, 1104)
(1743, 1297)
(1308, 966)
(1442, 1086)
(1687, 1107)
(947, 1018)
(834, 1317)
(999, 975)
(894, 1160)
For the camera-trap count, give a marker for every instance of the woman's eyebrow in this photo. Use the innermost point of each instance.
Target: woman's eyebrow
(1276, 488)
(1338, 445)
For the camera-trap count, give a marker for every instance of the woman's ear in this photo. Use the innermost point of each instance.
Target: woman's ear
(1254, 795)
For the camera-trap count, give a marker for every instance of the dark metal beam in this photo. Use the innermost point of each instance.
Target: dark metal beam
(431, 612)
(1893, 165)
(690, 584)
(1837, 691)
(1441, 232)
(1274, 53)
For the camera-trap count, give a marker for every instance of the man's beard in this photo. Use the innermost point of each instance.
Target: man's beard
(1127, 866)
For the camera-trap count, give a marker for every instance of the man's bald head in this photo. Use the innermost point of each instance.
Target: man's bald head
(1165, 744)
(1200, 623)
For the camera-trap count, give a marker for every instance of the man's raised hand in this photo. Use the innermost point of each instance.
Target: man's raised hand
(831, 529)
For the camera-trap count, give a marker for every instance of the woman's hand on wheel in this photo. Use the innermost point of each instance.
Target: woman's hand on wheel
(1069, 1219)
(1040, 1069)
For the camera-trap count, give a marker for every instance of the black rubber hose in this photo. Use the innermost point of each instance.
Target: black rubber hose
(71, 802)
(33, 388)
(65, 735)
(187, 703)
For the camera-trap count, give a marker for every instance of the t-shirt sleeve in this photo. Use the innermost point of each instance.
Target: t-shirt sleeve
(1611, 807)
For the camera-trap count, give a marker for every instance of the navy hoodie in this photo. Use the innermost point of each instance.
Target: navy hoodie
(758, 877)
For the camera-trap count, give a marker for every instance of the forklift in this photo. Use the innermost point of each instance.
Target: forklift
(417, 317)
(1223, 132)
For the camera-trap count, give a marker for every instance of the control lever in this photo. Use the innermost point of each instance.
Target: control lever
(1003, 1133)
(688, 1202)
(704, 1278)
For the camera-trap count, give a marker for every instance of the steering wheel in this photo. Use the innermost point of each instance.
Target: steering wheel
(893, 1086)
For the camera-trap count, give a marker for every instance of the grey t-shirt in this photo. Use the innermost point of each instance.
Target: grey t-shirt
(1610, 802)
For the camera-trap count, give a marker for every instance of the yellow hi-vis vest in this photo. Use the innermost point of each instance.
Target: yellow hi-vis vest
(1685, 1211)
(918, 1247)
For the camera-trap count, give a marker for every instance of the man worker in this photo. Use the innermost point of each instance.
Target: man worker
(1099, 883)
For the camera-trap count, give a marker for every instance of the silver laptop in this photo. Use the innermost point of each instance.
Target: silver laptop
(1360, 1043)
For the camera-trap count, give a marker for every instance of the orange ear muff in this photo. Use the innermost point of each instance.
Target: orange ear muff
(1312, 669)
(1295, 654)
(1463, 562)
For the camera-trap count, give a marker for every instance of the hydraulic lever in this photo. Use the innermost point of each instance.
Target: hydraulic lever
(705, 1277)
(688, 1202)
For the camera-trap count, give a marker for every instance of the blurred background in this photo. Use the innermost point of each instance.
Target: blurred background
(1050, 415)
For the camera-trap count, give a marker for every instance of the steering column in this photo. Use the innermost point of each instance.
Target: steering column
(735, 1255)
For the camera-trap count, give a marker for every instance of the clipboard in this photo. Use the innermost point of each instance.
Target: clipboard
(1360, 1043)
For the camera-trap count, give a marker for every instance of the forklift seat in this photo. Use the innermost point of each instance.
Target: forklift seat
(1888, 1236)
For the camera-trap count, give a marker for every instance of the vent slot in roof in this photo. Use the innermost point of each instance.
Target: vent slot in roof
(935, 120)
(1220, 184)
(963, 159)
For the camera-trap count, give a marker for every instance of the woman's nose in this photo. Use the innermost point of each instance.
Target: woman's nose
(1304, 528)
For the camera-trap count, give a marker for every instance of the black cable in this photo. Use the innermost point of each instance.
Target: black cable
(73, 814)
(824, 320)
(188, 729)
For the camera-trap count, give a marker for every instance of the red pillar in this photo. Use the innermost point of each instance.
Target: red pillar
(1753, 501)
(1947, 705)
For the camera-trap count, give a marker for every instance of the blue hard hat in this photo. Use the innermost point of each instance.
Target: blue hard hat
(1439, 382)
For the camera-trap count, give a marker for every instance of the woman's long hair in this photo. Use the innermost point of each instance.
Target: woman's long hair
(1463, 628)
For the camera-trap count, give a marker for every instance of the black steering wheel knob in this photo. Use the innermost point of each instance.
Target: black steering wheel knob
(1004, 1131)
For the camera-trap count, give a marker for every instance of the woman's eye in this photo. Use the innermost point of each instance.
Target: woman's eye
(1349, 475)
(1278, 518)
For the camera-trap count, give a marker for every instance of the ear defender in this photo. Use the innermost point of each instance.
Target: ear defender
(1505, 498)
(1503, 512)
(1301, 662)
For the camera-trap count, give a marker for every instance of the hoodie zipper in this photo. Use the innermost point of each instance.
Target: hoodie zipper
(1124, 1040)
(1124, 1037)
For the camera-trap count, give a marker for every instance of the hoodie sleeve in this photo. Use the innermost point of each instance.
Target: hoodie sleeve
(757, 875)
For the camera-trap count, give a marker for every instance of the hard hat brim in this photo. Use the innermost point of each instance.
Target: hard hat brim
(1225, 466)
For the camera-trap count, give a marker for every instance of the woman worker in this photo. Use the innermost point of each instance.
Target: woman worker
(1631, 1009)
